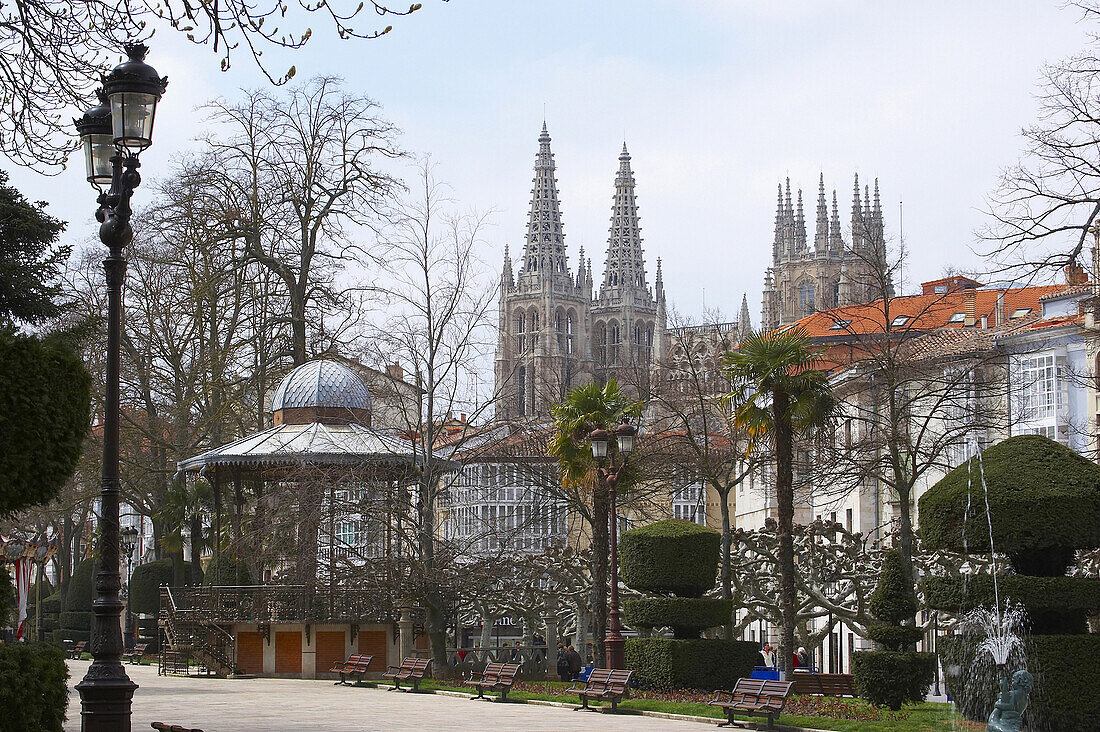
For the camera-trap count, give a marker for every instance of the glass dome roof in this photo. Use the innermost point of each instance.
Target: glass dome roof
(321, 384)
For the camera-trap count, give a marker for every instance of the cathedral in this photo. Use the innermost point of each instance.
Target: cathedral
(804, 280)
(555, 330)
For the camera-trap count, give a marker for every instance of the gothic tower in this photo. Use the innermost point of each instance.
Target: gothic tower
(553, 333)
(626, 329)
(542, 345)
(802, 280)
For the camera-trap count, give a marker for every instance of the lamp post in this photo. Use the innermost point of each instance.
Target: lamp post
(114, 134)
(600, 440)
(128, 542)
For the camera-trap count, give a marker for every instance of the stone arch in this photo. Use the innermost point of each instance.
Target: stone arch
(599, 335)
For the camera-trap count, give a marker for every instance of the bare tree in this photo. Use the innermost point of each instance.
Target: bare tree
(437, 327)
(1046, 205)
(52, 53)
(301, 173)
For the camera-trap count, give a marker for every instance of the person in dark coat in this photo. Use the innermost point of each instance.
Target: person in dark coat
(565, 672)
(574, 663)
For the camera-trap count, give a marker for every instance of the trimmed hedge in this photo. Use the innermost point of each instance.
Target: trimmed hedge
(1055, 605)
(80, 591)
(895, 637)
(225, 572)
(687, 616)
(1066, 675)
(666, 663)
(146, 581)
(45, 399)
(7, 597)
(76, 620)
(33, 693)
(1042, 496)
(672, 557)
(892, 679)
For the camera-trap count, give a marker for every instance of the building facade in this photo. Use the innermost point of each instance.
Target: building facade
(804, 279)
(556, 331)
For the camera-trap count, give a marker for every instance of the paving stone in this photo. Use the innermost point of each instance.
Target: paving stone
(277, 705)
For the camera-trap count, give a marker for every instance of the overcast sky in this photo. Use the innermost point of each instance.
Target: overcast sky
(718, 100)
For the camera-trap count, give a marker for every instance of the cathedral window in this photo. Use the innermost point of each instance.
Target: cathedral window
(519, 322)
(807, 302)
(522, 378)
(569, 334)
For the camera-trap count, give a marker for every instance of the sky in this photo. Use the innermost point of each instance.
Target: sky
(718, 101)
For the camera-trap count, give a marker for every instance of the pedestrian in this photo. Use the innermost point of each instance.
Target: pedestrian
(574, 663)
(761, 659)
(803, 658)
(564, 670)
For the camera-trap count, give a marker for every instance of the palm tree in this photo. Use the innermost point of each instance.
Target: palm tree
(584, 409)
(788, 398)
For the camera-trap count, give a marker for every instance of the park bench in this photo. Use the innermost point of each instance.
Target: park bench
(77, 649)
(352, 669)
(496, 677)
(162, 727)
(604, 684)
(823, 684)
(755, 697)
(411, 670)
(135, 655)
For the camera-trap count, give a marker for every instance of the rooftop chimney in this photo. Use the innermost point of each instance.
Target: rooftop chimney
(394, 371)
(970, 298)
(999, 310)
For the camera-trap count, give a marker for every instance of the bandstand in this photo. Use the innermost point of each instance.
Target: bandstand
(318, 503)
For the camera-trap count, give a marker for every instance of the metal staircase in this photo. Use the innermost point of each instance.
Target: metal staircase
(191, 637)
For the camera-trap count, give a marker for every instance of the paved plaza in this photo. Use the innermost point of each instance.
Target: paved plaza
(274, 705)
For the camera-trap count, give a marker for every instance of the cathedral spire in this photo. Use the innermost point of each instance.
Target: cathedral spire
(506, 280)
(544, 252)
(744, 321)
(798, 233)
(624, 270)
(659, 286)
(876, 209)
(836, 241)
(580, 269)
(821, 230)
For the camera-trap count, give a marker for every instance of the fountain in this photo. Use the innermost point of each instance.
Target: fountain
(1042, 503)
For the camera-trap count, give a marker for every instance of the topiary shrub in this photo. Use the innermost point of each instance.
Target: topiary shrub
(45, 399)
(146, 581)
(679, 557)
(893, 678)
(75, 623)
(33, 694)
(1045, 503)
(7, 597)
(898, 675)
(80, 591)
(665, 663)
(225, 571)
(687, 616)
(672, 557)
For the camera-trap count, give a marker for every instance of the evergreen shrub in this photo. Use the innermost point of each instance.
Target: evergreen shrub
(672, 557)
(665, 663)
(146, 581)
(225, 571)
(33, 694)
(898, 675)
(893, 678)
(687, 616)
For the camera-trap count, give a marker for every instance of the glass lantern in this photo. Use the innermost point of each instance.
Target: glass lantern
(134, 89)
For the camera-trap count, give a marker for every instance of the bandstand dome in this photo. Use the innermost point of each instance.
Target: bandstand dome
(321, 391)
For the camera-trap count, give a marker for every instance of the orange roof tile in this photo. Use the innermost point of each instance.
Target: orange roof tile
(921, 312)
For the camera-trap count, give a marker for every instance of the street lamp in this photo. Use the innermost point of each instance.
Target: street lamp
(128, 542)
(114, 133)
(600, 440)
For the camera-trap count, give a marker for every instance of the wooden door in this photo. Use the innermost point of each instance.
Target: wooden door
(374, 643)
(288, 652)
(330, 649)
(250, 652)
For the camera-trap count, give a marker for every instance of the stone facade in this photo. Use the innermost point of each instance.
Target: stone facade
(802, 279)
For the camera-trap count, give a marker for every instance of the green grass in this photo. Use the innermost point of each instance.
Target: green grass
(925, 717)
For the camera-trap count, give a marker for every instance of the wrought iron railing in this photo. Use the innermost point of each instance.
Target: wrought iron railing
(286, 604)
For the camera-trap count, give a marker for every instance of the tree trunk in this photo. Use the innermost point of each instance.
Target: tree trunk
(727, 544)
(580, 636)
(784, 498)
(601, 511)
(905, 535)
